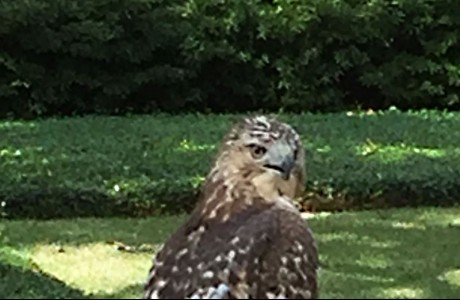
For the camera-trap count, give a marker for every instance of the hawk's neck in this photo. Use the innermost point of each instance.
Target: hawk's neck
(226, 194)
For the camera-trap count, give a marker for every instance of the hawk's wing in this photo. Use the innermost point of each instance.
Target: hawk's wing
(289, 266)
(256, 254)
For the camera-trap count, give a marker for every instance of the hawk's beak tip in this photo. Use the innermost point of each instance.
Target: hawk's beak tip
(286, 168)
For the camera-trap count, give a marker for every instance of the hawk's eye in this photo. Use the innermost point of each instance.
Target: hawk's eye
(257, 151)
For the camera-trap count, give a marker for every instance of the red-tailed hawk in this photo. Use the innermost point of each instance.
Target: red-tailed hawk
(245, 239)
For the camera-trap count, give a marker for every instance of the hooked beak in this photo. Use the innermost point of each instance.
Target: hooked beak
(281, 159)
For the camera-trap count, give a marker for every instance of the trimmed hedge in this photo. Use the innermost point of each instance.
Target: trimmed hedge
(117, 56)
(141, 165)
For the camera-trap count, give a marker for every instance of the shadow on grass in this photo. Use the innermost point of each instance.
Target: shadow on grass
(21, 283)
(389, 254)
(93, 255)
(397, 253)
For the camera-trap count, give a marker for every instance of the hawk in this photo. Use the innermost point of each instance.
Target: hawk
(244, 239)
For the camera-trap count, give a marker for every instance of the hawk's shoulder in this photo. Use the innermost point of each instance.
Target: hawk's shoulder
(244, 257)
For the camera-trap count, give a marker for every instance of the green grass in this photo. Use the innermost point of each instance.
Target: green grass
(395, 253)
(140, 165)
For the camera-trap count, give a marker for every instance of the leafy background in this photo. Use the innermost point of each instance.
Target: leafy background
(117, 56)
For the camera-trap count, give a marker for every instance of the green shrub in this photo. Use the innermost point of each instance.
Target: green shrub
(118, 56)
(65, 57)
(105, 166)
(325, 54)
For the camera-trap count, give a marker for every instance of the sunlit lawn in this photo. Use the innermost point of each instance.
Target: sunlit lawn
(405, 253)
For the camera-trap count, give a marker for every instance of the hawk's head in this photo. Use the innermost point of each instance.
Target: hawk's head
(266, 151)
